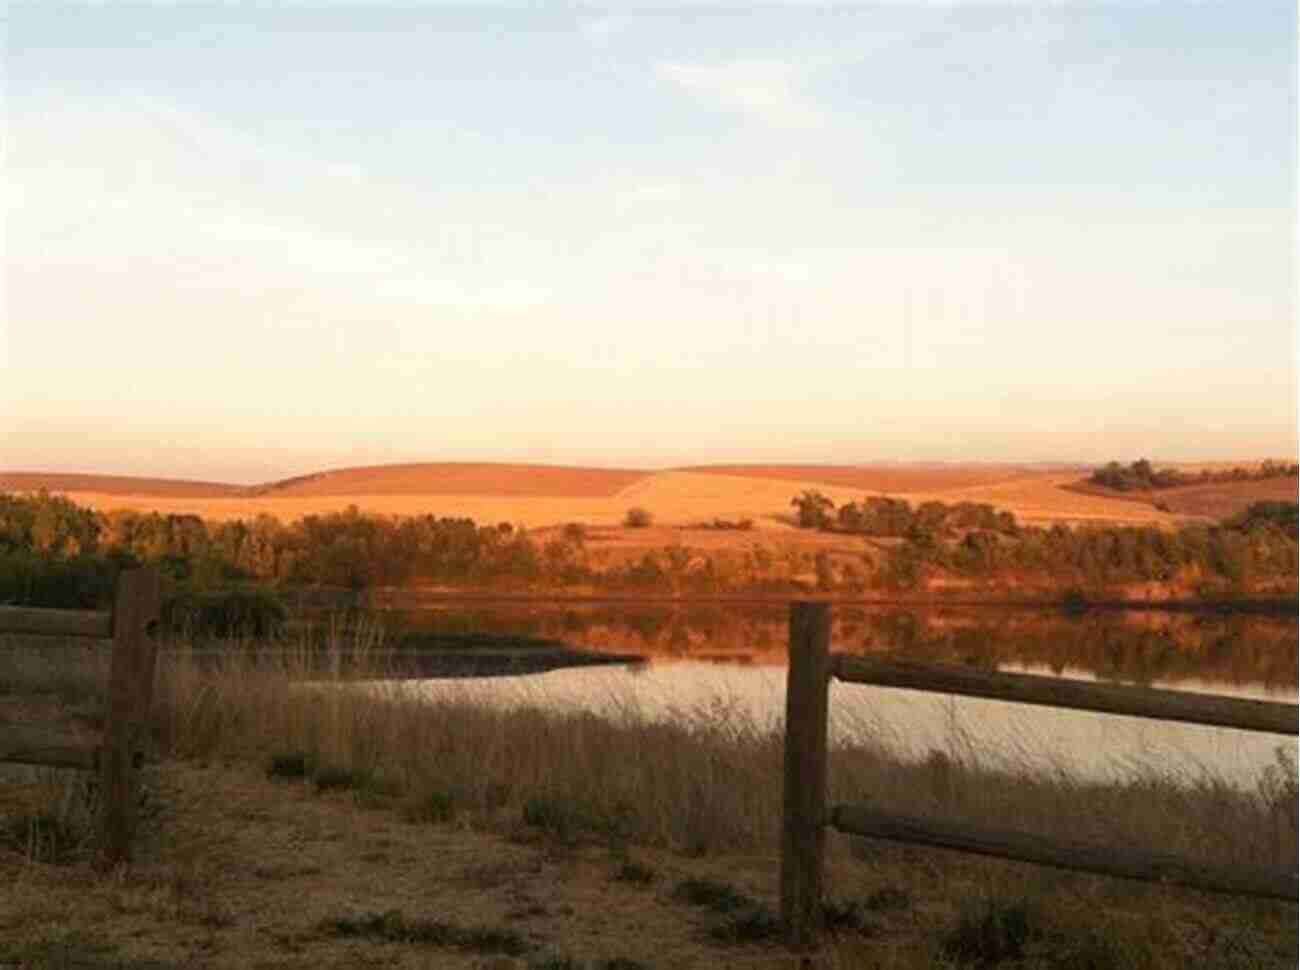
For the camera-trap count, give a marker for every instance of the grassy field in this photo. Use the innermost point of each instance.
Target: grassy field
(350, 824)
(1214, 500)
(538, 495)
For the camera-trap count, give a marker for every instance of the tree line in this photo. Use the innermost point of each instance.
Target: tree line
(56, 553)
(976, 540)
(1141, 475)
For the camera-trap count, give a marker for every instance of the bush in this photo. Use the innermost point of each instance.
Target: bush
(436, 807)
(82, 583)
(637, 518)
(991, 932)
(228, 613)
(294, 764)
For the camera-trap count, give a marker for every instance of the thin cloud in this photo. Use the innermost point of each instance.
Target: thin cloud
(767, 91)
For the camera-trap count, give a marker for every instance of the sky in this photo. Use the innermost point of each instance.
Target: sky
(250, 240)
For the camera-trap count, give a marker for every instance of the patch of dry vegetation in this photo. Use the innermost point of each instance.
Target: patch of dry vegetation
(348, 823)
(460, 478)
(1227, 499)
(880, 478)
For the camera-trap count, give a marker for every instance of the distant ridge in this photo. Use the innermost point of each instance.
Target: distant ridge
(458, 478)
(881, 476)
(424, 478)
(117, 485)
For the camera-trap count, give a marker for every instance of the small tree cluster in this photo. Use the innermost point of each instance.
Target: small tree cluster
(637, 518)
(1141, 475)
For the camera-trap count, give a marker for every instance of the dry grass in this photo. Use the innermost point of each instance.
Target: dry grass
(1224, 500)
(1215, 500)
(477, 821)
(894, 479)
(461, 478)
(1042, 499)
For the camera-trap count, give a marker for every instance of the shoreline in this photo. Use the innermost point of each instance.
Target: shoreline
(381, 598)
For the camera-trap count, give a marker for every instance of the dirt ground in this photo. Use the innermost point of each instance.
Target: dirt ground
(237, 870)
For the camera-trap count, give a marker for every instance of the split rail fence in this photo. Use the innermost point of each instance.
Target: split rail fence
(131, 626)
(806, 817)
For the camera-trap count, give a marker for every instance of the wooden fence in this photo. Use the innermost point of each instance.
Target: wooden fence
(806, 817)
(131, 626)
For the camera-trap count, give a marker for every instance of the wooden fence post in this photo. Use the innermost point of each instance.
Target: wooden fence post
(130, 693)
(803, 834)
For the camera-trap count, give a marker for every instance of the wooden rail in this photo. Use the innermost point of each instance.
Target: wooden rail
(135, 613)
(1082, 695)
(807, 693)
(1065, 854)
(56, 623)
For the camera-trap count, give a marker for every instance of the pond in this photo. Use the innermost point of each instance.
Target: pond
(727, 660)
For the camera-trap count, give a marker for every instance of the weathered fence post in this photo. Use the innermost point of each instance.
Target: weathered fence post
(130, 693)
(803, 835)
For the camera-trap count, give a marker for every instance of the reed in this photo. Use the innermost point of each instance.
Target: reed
(704, 780)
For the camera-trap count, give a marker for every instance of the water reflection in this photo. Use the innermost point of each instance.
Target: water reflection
(716, 661)
(1223, 652)
(911, 723)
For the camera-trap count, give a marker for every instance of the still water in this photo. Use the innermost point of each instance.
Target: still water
(712, 661)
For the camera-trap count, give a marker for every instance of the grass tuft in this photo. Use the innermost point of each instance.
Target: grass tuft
(564, 818)
(435, 807)
(888, 898)
(393, 927)
(991, 931)
(45, 837)
(633, 872)
(288, 766)
(331, 778)
(712, 895)
(755, 924)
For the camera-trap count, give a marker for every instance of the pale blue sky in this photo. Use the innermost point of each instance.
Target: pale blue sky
(248, 240)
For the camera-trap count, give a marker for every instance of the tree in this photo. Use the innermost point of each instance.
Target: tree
(814, 509)
(637, 518)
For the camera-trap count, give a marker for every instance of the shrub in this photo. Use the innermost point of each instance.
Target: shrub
(436, 807)
(635, 873)
(332, 779)
(637, 518)
(291, 765)
(888, 898)
(396, 928)
(992, 931)
(561, 817)
(717, 896)
(226, 613)
(45, 837)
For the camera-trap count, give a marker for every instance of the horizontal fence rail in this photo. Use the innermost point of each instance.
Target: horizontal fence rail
(1063, 854)
(34, 747)
(812, 666)
(56, 623)
(1165, 705)
(136, 610)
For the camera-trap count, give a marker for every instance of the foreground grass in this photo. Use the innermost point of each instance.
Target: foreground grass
(706, 781)
(496, 819)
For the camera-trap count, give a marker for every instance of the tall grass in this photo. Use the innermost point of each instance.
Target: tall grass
(706, 780)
